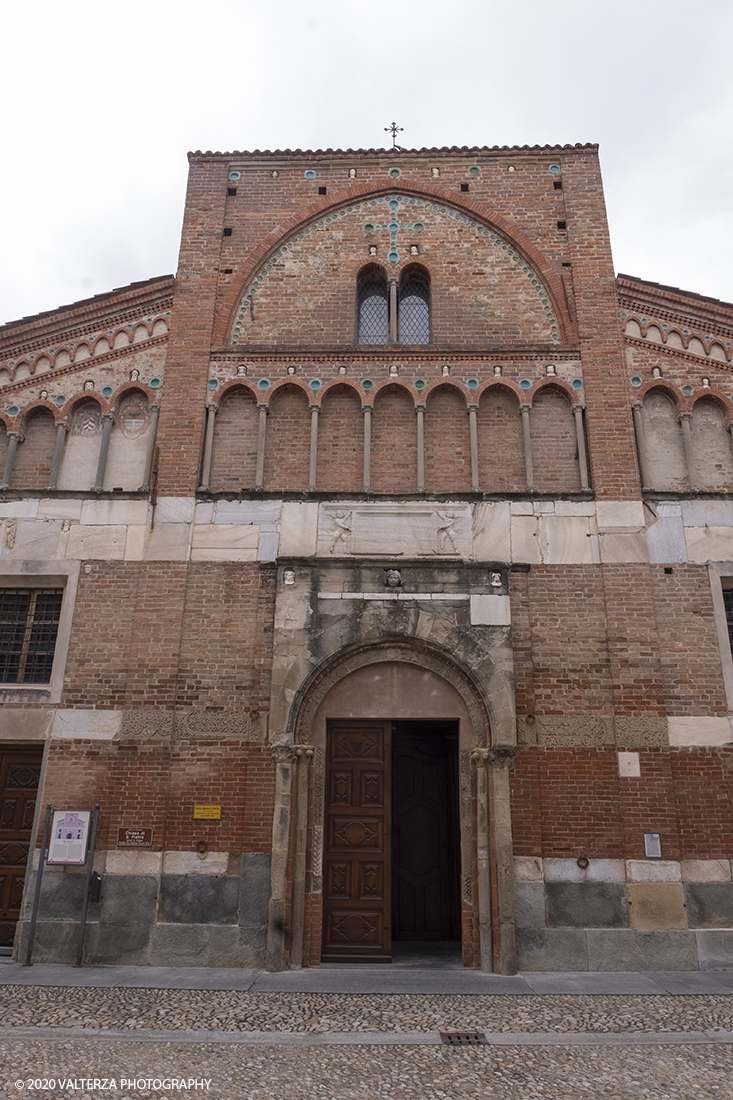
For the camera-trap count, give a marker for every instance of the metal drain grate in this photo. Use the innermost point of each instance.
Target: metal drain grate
(463, 1038)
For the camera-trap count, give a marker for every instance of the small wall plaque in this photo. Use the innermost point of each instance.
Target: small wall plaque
(135, 837)
(210, 813)
(652, 845)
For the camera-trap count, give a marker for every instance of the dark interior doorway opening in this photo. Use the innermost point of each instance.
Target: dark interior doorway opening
(425, 838)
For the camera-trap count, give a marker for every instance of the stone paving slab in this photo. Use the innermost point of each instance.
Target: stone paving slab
(367, 980)
(371, 1038)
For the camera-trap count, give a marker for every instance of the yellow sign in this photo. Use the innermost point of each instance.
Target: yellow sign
(212, 813)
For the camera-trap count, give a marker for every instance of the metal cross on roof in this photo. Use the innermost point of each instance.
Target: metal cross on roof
(394, 130)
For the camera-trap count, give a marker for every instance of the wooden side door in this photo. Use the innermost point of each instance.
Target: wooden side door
(20, 771)
(356, 872)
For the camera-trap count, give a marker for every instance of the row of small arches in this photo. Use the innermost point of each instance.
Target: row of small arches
(656, 333)
(684, 451)
(316, 395)
(87, 348)
(129, 445)
(339, 464)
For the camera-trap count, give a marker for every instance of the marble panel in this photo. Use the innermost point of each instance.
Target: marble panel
(35, 539)
(619, 513)
(19, 509)
(103, 543)
(167, 542)
(298, 529)
(106, 512)
(653, 870)
(706, 870)
(174, 509)
(525, 544)
(686, 730)
(192, 863)
(94, 725)
(564, 540)
(491, 611)
(622, 548)
(654, 905)
(133, 862)
(666, 540)
(491, 531)
(707, 513)
(60, 509)
(528, 869)
(709, 544)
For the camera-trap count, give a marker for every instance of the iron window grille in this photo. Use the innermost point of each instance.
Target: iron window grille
(29, 624)
(373, 313)
(414, 313)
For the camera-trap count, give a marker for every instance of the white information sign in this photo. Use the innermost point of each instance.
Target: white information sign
(69, 836)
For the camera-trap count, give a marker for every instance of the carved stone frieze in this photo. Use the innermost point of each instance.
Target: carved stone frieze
(466, 827)
(498, 756)
(649, 731)
(195, 725)
(146, 725)
(319, 780)
(565, 730)
(394, 530)
(581, 731)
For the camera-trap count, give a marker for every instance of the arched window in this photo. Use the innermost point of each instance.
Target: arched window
(414, 306)
(372, 306)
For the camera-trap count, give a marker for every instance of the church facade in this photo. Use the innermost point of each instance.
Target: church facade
(374, 576)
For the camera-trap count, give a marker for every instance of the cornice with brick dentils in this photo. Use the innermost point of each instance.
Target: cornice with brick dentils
(444, 150)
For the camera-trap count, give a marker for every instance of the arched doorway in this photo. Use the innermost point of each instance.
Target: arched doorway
(392, 876)
(407, 709)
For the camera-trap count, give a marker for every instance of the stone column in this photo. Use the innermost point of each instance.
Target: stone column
(304, 756)
(393, 311)
(283, 757)
(420, 410)
(211, 411)
(473, 436)
(493, 795)
(154, 413)
(314, 449)
(641, 444)
(527, 441)
(14, 438)
(686, 422)
(261, 429)
(107, 422)
(58, 453)
(367, 410)
(582, 453)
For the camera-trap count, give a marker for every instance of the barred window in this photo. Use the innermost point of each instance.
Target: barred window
(29, 623)
(372, 306)
(414, 313)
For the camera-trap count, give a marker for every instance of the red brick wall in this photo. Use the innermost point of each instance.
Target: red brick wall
(164, 634)
(287, 442)
(572, 801)
(447, 443)
(340, 462)
(500, 447)
(33, 458)
(394, 448)
(234, 454)
(143, 783)
(554, 443)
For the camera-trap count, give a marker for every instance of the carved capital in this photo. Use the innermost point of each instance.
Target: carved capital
(498, 756)
(304, 754)
(283, 754)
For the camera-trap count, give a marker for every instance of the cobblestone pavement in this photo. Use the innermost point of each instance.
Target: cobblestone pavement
(553, 1068)
(174, 1009)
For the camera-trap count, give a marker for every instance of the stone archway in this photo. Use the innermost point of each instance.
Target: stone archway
(396, 681)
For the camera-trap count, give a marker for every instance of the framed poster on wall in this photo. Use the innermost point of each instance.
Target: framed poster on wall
(69, 836)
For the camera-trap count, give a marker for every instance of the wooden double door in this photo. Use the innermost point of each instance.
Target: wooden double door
(20, 771)
(391, 853)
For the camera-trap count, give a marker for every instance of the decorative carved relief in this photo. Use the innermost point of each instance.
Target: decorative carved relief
(559, 730)
(133, 414)
(649, 731)
(87, 419)
(466, 826)
(319, 778)
(498, 756)
(394, 530)
(579, 731)
(282, 754)
(231, 726)
(146, 725)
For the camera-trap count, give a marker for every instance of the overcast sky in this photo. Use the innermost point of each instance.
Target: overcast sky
(102, 101)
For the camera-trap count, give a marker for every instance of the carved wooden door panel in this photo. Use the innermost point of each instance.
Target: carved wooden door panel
(356, 872)
(20, 771)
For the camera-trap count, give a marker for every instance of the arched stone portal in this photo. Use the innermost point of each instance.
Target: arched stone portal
(396, 688)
